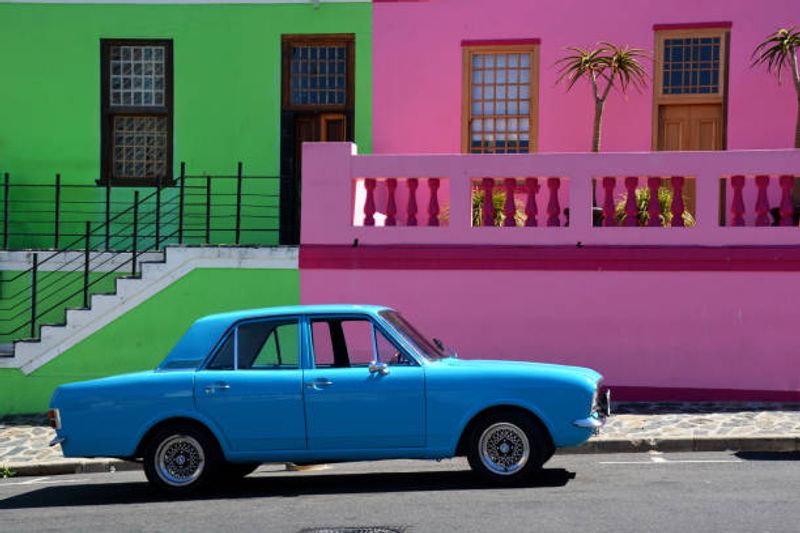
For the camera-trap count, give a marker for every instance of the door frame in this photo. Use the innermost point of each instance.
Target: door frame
(660, 100)
(290, 180)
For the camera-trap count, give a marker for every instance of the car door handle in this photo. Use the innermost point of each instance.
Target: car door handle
(210, 389)
(316, 384)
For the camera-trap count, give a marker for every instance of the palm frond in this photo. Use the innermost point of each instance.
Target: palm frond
(777, 50)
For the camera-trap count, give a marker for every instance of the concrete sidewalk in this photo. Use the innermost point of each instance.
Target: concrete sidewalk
(635, 427)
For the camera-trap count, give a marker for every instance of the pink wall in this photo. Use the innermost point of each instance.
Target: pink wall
(417, 69)
(701, 330)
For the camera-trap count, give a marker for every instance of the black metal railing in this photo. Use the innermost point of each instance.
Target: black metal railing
(113, 237)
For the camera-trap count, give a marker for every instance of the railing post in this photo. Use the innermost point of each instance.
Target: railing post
(86, 259)
(631, 206)
(531, 210)
(677, 202)
(391, 204)
(158, 214)
(762, 203)
(6, 189)
(553, 207)
(487, 209)
(608, 201)
(411, 209)
(180, 202)
(34, 275)
(57, 218)
(786, 206)
(654, 204)
(369, 203)
(208, 209)
(238, 202)
(108, 215)
(737, 204)
(135, 232)
(433, 204)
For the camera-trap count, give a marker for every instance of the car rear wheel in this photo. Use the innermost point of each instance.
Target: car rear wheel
(507, 448)
(180, 459)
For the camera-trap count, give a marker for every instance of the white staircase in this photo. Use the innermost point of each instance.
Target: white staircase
(130, 292)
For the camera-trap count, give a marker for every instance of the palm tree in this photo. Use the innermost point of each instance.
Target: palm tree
(606, 66)
(777, 51)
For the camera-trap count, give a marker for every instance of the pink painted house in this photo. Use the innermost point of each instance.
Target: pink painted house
(476, 217)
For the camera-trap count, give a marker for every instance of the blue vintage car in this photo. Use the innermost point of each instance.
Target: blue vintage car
(323, 384)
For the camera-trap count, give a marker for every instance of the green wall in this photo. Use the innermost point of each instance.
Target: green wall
(141, 338)
(227, 86)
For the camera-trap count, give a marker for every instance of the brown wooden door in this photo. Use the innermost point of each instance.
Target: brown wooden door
(688, 127)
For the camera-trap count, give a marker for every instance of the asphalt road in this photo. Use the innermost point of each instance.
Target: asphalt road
(688, 492)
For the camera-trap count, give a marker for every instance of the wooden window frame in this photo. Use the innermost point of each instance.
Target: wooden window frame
(332, 39)
(108, 112)
(469, 48)
(678, 31)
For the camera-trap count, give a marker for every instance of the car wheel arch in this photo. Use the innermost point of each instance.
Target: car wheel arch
(174, 421)
(463, 440)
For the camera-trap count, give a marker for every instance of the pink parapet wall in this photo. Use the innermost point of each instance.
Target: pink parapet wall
(705, 308)
(417, 69)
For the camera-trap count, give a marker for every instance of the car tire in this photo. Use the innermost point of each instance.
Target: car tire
(180, 459)
(507, 448)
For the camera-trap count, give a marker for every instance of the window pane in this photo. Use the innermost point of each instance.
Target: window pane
(323, 345)
(499, 92)
(358, 336)
(318, 72)
(139, 147)
(137, 71)
(281, 348)
(691, 65)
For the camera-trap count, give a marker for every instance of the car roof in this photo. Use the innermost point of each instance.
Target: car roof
(235, 316)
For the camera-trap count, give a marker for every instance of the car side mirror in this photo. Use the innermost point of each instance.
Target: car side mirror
(381, 368)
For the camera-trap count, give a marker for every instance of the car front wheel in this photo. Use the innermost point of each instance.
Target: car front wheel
(507, 448)
(180, 459)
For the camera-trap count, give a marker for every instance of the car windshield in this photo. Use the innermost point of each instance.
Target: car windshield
(428, 348)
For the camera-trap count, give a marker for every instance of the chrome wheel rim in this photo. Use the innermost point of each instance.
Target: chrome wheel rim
(180, 460)
(504, 448)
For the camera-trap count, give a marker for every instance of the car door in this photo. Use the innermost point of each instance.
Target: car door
(252, 387)
(362, 391)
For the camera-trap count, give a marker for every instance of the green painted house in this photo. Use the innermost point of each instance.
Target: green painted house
(126, 127)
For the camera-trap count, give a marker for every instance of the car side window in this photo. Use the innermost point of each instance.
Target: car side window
(259, 345)
(348, 342)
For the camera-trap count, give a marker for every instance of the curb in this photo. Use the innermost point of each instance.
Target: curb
(692, 444)
(688, 444)
(78, 466)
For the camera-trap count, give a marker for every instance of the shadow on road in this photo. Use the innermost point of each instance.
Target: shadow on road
(768, 456)
(271, 486)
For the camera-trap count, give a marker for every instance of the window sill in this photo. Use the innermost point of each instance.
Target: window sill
(136, 182)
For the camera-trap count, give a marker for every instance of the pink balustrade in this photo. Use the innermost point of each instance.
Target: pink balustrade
(517, 202)
(762, 200)
(644, 201)
(550, 199)
(400, 201)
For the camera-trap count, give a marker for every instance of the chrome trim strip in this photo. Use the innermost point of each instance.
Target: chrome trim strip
(57, 440)
(589, 422)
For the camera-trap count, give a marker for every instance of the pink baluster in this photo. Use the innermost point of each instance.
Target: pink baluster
(608, 201)
(787, 207)
(631, 208)
(369, 205)
(553, 209)
(411, 210)
(433, 205)
(677, 202)
(762, 203)
(487, 184)
(654, 205)
(737, 204)
(391, 206)
(510, 208)
(532, 184)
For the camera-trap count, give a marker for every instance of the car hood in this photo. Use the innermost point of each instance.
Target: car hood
(528, 367)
